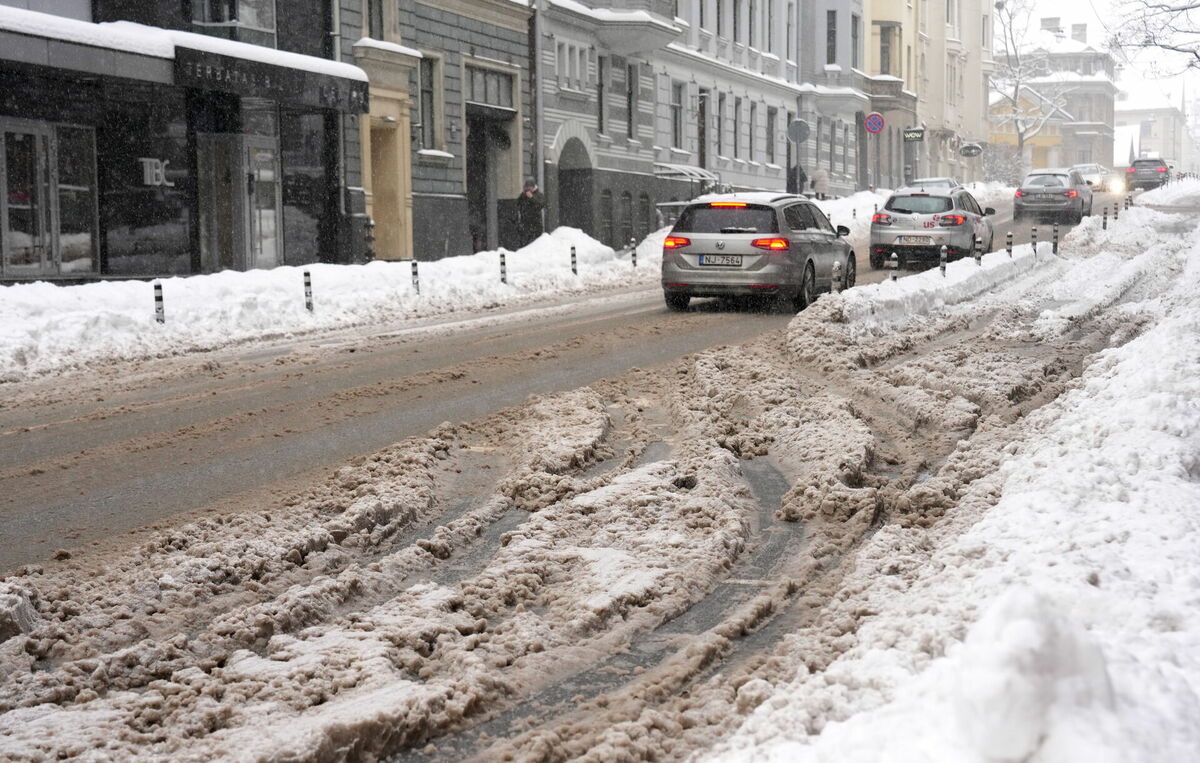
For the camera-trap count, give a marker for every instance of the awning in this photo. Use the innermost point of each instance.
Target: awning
(684, 172)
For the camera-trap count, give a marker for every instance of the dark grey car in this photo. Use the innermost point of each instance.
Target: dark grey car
(1057, 193)
(753, 244)
(1147, 173)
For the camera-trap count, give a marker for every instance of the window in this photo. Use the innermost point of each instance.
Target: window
(789, 42)
(737, 128)
(601, 83)
(752, 37)
(846, 148)
(772, 117)
(753, 125)
(677, 114)
(375, 19)
(428, 103)
(854, 22)
(1051, 23)
(721, 116)
(1078, 31)
(251, 21)
(703, 15)
(626, 218)
(606, 218)
(489, 87)
(631, 100)
(770, 26)
(737, 20)
(885, 49)
(720, 18)
(831, 37)
(647, 221)
(984, 38)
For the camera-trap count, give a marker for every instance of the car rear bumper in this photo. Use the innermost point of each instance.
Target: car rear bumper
(923, 254)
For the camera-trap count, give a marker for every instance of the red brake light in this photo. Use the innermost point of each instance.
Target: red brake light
(1129, 169)
(727, 204)
(1162, 169)
(674, 242)
(882, 219)
(949, 220)
(1072, 194)
(772, 244)
(1019, 193)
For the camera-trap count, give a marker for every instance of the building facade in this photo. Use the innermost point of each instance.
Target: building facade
(1162, 128)
(221, 138)
(471, 132)
(893, 84)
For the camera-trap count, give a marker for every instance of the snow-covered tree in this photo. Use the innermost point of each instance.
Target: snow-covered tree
(1167, 26)
(1018, 107)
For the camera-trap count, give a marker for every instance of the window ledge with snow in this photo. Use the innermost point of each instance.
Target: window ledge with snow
(434, 156)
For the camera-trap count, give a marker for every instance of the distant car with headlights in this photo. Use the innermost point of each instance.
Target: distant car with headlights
(1147, 173)
(1061, 194)
(916, 223)
(756, 244)
(1092, 173)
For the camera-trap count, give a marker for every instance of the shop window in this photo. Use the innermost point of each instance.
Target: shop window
(77, 198)
(626, 218)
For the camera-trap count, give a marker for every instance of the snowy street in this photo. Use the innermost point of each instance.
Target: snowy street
(938, 518)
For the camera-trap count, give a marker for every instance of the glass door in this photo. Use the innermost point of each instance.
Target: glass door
(25, 214)
(264, 223)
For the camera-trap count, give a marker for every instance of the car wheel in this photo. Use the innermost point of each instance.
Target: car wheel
(851, 272)
(808, 289)
(676, 302)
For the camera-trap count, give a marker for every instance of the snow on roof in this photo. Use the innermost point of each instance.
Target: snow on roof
(604, 14)
(144, 41)
(161, 43)
(370, 42)
(1052, 42)
(1144, 97)
(1054, 77)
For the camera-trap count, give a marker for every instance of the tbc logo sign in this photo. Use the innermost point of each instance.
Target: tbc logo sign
(154, 172)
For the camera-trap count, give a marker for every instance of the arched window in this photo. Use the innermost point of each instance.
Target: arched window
(626, 218)
(606, 218)
(647, 216)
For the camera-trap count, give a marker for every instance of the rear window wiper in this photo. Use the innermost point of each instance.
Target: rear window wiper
(739, 230)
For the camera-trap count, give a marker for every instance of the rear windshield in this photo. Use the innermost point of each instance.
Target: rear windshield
(1148, 163)
(1046, 181)
(919, 205)
(705, 219)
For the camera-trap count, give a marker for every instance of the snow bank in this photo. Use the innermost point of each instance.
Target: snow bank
(1181, 193)
(46, 328)
(1061, 624)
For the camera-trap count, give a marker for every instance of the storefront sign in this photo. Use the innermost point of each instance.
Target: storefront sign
(914, 135)
(154, 172)
(212, 71)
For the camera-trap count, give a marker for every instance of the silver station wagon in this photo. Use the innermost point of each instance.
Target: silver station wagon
(753, 244)
(916, 223)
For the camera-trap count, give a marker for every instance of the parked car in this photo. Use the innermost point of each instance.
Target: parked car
(1147, 173)
(1093, 173)
(1058, 193)
(935, 183)
(915, 224)
(753, 244)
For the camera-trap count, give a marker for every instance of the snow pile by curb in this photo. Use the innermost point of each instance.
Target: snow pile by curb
(891, 301)
(1181, 193)
(46, 328)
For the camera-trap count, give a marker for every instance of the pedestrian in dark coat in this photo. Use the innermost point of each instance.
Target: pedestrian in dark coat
(529, 212)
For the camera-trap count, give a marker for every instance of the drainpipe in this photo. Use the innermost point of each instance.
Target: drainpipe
(335, 26)
(539, 151)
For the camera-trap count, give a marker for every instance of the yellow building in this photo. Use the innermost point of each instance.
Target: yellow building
(386, 135)
(1042, 122)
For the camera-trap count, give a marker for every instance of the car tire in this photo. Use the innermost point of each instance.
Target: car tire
(851, 272)
(676, 302)
(808, 289)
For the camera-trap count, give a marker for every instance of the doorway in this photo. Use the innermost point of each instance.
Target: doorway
(47, 207)
(240, 202)
(575, 187)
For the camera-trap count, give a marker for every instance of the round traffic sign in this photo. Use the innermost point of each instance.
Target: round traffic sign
(798, 130)
(874, 122)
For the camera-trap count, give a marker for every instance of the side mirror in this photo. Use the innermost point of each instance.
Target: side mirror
(988, 211)
(1089, 182)
(842, 230)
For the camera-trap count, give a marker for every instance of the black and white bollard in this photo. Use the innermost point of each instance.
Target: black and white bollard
(1054, 245)
(574, 262)
(308, 305)
(1033, 239)
(1104, 219)
(979, 251)
(633, 251)
(1117, 212)
(895, 261)
(894, 277)
(1008, 242)
(942, 260)
(503, 269)
(159, 314)
(854, 213)
(1128, 201)
(416, 276)
(837, 277)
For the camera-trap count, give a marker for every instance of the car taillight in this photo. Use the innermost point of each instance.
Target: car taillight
(1130, 170)
(1162, 169)
(881, 219)
(1071, 194)
(1019, 193)
(950, 220)
(772, 244)
(674, 242)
